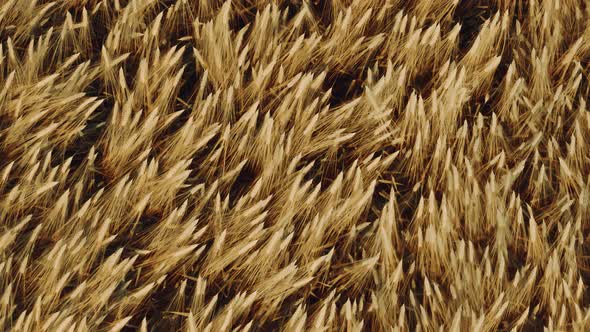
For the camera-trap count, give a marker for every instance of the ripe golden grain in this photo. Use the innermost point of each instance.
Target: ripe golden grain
(294, 165)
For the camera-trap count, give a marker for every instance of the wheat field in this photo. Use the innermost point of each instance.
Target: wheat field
(294, 165)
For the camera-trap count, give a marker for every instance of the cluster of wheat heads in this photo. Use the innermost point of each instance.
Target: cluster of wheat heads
(258, 165)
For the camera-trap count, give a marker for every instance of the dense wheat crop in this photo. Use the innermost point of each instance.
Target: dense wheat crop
(294, 165)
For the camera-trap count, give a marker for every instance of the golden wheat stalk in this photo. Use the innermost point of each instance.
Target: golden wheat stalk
(294, 165)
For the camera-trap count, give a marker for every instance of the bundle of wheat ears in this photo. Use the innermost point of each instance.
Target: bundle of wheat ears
(294, 165)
